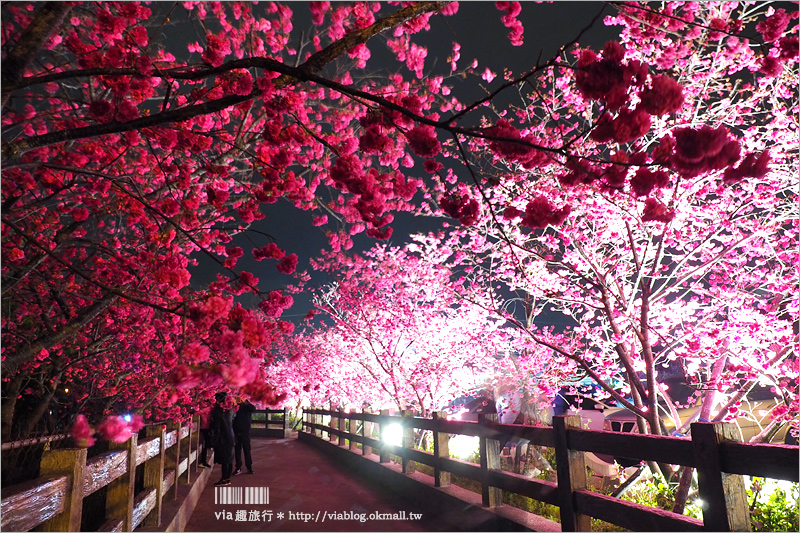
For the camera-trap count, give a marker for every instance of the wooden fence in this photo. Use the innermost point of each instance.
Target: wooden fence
(275, 423)
(713, 451)
(53, 502)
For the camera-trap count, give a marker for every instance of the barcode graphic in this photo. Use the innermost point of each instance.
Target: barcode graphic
(241, 495)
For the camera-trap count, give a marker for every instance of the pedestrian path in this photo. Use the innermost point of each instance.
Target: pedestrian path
(298, 488)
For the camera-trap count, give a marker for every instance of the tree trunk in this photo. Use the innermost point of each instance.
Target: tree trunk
(8, 407)
(41, 408)
(682, 493)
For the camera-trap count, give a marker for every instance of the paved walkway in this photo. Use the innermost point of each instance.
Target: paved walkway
(308, 491)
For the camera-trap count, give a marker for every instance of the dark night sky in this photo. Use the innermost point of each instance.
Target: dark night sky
(478, 29)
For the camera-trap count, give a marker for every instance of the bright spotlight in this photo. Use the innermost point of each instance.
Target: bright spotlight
(700, 503)
(126, 418)
(393, 434)
(464, 446)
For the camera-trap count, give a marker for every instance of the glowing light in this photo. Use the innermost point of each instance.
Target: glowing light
(126, 417)
(464, 446)
(393, 434)
(700, 503)
(66, 390)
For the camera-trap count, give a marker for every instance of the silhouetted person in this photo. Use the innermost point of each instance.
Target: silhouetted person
(222, 428)
(205, 432)
(241, 429)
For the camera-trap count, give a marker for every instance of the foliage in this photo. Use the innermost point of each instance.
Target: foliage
(778, 511)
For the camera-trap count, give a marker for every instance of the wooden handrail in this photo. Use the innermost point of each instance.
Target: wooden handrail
(713, 450)
(54, 502)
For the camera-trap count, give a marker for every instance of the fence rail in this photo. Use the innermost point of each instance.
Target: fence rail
(713, 450)
(275, 423)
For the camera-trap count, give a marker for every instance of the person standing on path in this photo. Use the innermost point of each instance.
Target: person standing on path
(205, 432)
(241, 429)
(222, 429)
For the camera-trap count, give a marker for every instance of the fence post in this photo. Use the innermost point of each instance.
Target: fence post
(724, 495)
(287, 429)
(196, 440)
(332, 423)
(571, 474)
(154, 474)
(441, 450)
(186, 451)
(409, 466)
(353, 429)
(366, 431)
(172, 460)
(384, 454)
(490, 460)
(72, 462)
(341, 427)
(119, 495)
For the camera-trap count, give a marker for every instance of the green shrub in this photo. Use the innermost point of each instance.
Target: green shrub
(773, 509)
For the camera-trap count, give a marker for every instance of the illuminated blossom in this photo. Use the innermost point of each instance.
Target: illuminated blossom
(630, 125)
(275, 303)
(115, 429)
(270, 251)
(645, 180)
(754, 165)
(510, 21)
(183, 377)
(773, 27)
(655, 211)
(663, 97)
(461, 207)
(540, 213)
(79, 214)
(102, 111)
(529, 156)
(82, 432)
(196, 352)
(423, 141)
(790, 47)
(701, 150)
(607, 80)
(288, 264)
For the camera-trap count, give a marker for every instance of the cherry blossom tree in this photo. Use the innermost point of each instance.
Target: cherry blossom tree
(648, 193)
(124, 156)
(397, 331)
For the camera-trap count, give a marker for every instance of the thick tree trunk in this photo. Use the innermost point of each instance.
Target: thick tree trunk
(9, 406)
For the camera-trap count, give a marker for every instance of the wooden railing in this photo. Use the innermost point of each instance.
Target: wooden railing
(54, 501)
(275, 424)
(713, 451)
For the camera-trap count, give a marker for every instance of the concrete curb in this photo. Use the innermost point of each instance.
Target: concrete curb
(176, 513)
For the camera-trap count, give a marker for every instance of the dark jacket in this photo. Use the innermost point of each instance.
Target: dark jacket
(244, 416)
(222, 423)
